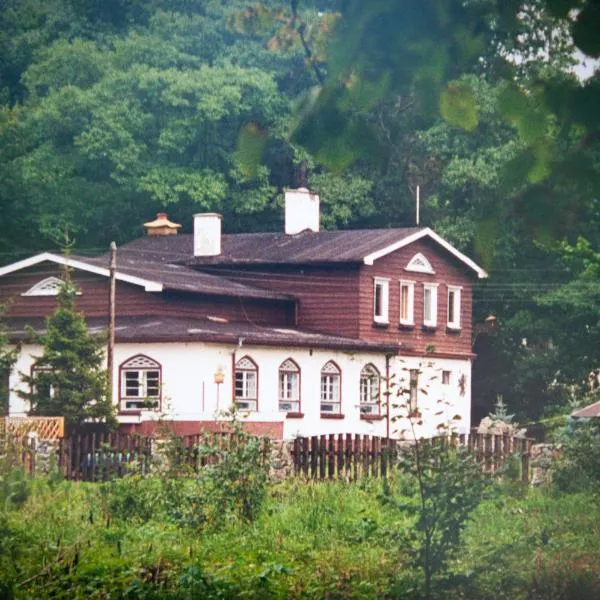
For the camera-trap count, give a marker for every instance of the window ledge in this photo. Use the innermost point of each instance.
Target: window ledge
(130, 412)
(372, 417)
(407, 326)
(431, 328)
(381, 324)
(294, 415)
(332, 416)
(453, 330)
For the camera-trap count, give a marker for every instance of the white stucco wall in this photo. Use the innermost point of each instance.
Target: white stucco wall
(191, 394)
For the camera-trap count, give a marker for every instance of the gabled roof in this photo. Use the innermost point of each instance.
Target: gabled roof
(589, 411)
(360, 246)
(151, 276)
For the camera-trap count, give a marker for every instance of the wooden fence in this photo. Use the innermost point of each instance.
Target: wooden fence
(103, 456)
(350, 456)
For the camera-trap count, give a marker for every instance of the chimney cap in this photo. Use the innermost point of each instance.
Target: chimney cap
(161, 225)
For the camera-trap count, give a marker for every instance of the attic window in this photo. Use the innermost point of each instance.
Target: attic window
(47, 287)
(419, 264)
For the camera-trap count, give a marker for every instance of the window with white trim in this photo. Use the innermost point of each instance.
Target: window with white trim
(381, 300)
(246, 384)
(407, 302)
(445, 377)
(140, 378)
(331, 377)
(430, 304)
(369, 390)
(454, 293)
(289, 386)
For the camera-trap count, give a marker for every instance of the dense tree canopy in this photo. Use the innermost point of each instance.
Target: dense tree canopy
(110, 111)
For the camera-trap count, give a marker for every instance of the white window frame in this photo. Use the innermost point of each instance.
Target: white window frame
(289, 386)
(410, 285)
(331, 389)
(454, 291)
(384, 285)
(143, 367)
(47, 287)
(430, 320)
(370, 390)
(245, 384)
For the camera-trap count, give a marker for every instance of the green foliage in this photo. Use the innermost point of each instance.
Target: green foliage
(578, 466)
(8, 357)
(70, 380)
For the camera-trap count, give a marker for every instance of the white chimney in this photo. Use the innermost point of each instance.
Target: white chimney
(207, 234)
(301, 211)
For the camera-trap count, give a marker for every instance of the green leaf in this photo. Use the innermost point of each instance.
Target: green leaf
(458, 105)
(250, 148)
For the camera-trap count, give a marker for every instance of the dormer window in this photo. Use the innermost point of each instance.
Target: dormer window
(419, 264)
(381, 300)
(47, 287)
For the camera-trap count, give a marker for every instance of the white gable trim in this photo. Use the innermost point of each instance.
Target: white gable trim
(149, 286)
(427, 232)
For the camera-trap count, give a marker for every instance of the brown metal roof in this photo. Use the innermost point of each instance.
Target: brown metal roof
(181, 278)
(176, 329)
(589, 411)
(307, 247)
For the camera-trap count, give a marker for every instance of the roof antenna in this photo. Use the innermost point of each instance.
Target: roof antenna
(418, 202)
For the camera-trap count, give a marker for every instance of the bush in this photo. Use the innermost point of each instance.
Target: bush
(578, 467)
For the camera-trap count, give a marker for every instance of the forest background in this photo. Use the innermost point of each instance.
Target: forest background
(114, 110)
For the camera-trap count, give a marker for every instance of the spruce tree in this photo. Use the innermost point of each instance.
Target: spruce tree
(68, 379)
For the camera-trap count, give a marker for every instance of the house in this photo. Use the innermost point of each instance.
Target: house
(306, 332)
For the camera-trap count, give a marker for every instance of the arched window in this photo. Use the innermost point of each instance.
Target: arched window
(246, 384)
(369, 390)
(289, 386)
(140, 383)
(331, 400)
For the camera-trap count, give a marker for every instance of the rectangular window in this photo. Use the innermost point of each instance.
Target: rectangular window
(380, 300)
(413, 399)
(454, 307)
(245, 390)
(446, 377)
(289, 391)
(430, 304)
(330, 393)
(407, 302)
(140, 388)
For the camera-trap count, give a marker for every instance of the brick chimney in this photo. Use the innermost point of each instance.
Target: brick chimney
(301, 211)
(161, 226)
(207, 234)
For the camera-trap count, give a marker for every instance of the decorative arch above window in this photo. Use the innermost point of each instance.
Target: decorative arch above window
(331, 378)
(46, 287)
(419, 264)
(246, 384)
(289, 386)
(369, 390)
(140, 383)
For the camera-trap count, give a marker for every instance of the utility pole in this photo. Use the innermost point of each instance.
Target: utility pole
(418, 203)
(111, 318)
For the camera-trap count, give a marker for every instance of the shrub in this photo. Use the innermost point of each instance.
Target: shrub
(578, 467)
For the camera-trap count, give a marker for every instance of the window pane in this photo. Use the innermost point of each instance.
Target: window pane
(152, 384)
(427, 304)
(404, 303)
(132, 384)
(451, 306)
(239, 384)
(378, 300)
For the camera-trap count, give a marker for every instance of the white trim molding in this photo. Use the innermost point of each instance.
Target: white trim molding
(381, 302)
(50, 286)
(454, 307)
(431, 319)
(407, 304)
(76, 263)
(427, 232)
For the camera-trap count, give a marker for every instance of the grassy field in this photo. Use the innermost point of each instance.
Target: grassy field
(139, 538)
